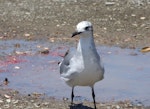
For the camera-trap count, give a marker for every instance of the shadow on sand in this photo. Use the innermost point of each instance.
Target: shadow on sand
(79, 106)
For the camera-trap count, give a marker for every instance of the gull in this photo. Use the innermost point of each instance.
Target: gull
(83, 66)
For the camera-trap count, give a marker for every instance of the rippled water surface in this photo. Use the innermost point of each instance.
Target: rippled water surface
(127, 73)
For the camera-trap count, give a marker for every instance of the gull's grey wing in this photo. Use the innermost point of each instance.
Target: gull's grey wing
(64, 65)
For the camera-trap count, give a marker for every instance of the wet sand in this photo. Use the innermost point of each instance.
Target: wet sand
(118, 23)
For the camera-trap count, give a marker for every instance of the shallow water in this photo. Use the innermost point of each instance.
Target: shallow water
(127, 73)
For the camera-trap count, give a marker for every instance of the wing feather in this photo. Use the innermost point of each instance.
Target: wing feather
(64, 65)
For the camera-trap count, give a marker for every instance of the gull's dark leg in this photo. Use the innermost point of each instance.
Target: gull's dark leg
(93, 95)
(72, 95)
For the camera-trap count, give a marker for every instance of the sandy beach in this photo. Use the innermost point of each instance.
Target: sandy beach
(124, 24)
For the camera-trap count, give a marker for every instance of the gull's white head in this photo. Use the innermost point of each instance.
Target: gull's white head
(83, 27)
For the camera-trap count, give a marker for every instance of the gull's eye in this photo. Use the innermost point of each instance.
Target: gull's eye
(87, 28)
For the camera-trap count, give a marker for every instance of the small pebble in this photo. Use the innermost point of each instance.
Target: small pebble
(17, 67)
(109, 52)
(36, 105)
(58, 25)
(133, 15)
(142, 18)
(1, 101)
(7, 96)
(32, 101)
(8, 100)
(145, 49)
(15, 101)
(117, 107)
(65, 99)
(130, 105)
(109, 3)
(45, 51)
(45, 103)
(52, 40)
(26, 35)
(17, 45)
(6, 81)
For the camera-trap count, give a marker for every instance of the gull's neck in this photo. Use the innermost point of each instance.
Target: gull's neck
(86, 49)
(86, 44)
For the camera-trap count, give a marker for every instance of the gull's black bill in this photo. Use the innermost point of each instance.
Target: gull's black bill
(75, 33)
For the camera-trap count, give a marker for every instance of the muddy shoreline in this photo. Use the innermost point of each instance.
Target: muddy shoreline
(12, 99)
(124, 24)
